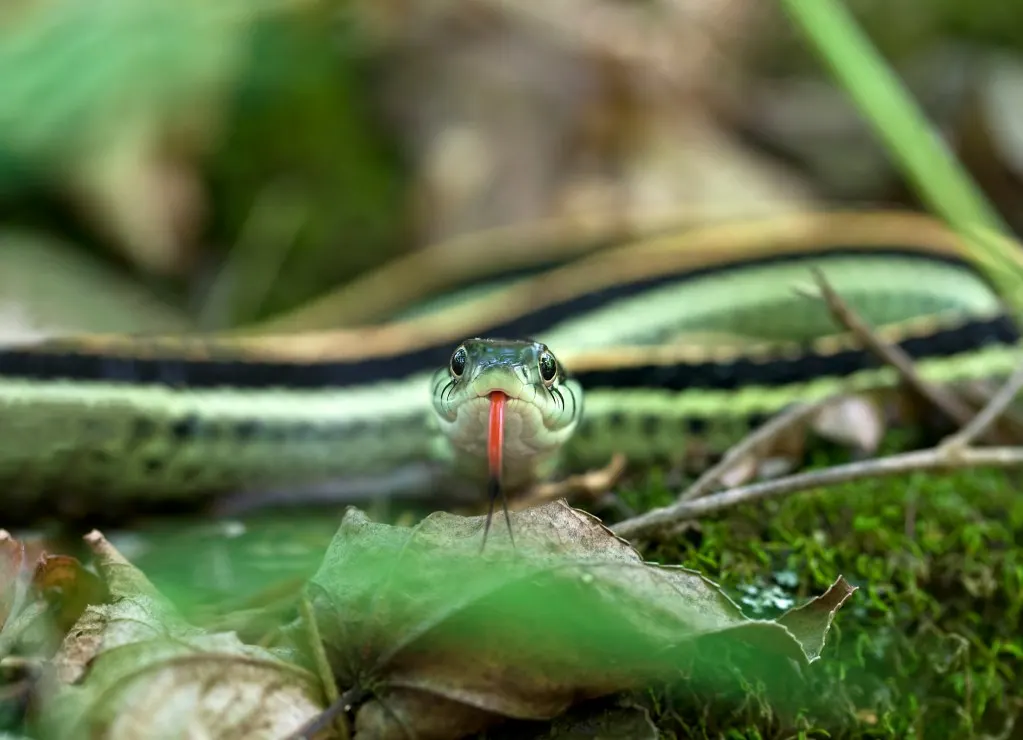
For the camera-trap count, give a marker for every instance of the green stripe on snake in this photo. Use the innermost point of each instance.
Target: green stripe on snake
(83, 444)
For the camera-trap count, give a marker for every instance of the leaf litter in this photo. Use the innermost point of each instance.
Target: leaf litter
(447, 641)
(133, 668)
(436, 639)
(41, 594)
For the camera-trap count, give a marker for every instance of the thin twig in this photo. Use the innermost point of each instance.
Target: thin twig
(979, 393)
(926, 460)
(766, 433)
(988, 415)
(325, 719)
(891, 354)
(590, 485)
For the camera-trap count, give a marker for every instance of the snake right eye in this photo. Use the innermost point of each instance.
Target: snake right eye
(548, 367)
(458, 361)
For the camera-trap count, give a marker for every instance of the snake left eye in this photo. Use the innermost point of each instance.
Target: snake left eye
(458, 360)
(548, 367)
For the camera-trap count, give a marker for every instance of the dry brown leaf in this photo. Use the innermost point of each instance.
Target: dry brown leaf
(41, 595)
(448, 641)
(67, 587)
(586, 486)
(743, 471)
(853, 421)
(133, 668)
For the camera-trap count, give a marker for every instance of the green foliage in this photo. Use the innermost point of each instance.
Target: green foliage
(916, 146)
(307, 146)
(938, 178)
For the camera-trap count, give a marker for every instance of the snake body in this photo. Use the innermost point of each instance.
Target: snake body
(671, 346)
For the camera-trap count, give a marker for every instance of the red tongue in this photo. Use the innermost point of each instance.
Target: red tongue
(495, 439)
(495, 449)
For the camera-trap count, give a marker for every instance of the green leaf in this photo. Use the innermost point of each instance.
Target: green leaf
(449, 640)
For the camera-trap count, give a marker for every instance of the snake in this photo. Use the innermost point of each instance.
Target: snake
(655, 348)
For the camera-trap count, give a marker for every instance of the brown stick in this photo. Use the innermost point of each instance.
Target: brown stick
(590, 484)
(891, 354)
(954, 453)
(982, 422)
(932, 459)
(763, 435)
(327, 719)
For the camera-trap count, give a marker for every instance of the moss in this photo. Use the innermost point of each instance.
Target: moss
(929, 646)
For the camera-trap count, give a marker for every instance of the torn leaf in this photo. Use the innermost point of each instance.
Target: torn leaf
(449, 641)
(41, 595)
(67, 587)
(133, 668)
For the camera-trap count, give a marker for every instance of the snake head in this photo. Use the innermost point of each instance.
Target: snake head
(543, 404)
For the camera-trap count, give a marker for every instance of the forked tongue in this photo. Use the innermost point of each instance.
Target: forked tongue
(495, 455)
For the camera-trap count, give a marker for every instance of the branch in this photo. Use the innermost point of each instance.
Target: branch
(891, 354)
(954, 453)
(932, 459)
(590, 484)
(844, 315)
(988, 415)
(324, 721)
(765, 434)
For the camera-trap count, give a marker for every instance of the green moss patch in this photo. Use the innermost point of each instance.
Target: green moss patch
(930, 645)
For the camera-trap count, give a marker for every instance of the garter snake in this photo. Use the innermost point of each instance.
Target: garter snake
(675, 341)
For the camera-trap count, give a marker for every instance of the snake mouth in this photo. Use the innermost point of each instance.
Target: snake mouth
(477, 394)
(516, 405)
(486, 392)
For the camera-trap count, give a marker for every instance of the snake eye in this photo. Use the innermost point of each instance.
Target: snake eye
(548, 367)
(458, 360)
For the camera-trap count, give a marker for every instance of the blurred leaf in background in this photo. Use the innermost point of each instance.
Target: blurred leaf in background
(307, 146)
(111, 104)
(157, 129)
(513, 113)
(960, 61)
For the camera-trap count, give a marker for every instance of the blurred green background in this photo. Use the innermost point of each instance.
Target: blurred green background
(210, 167)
